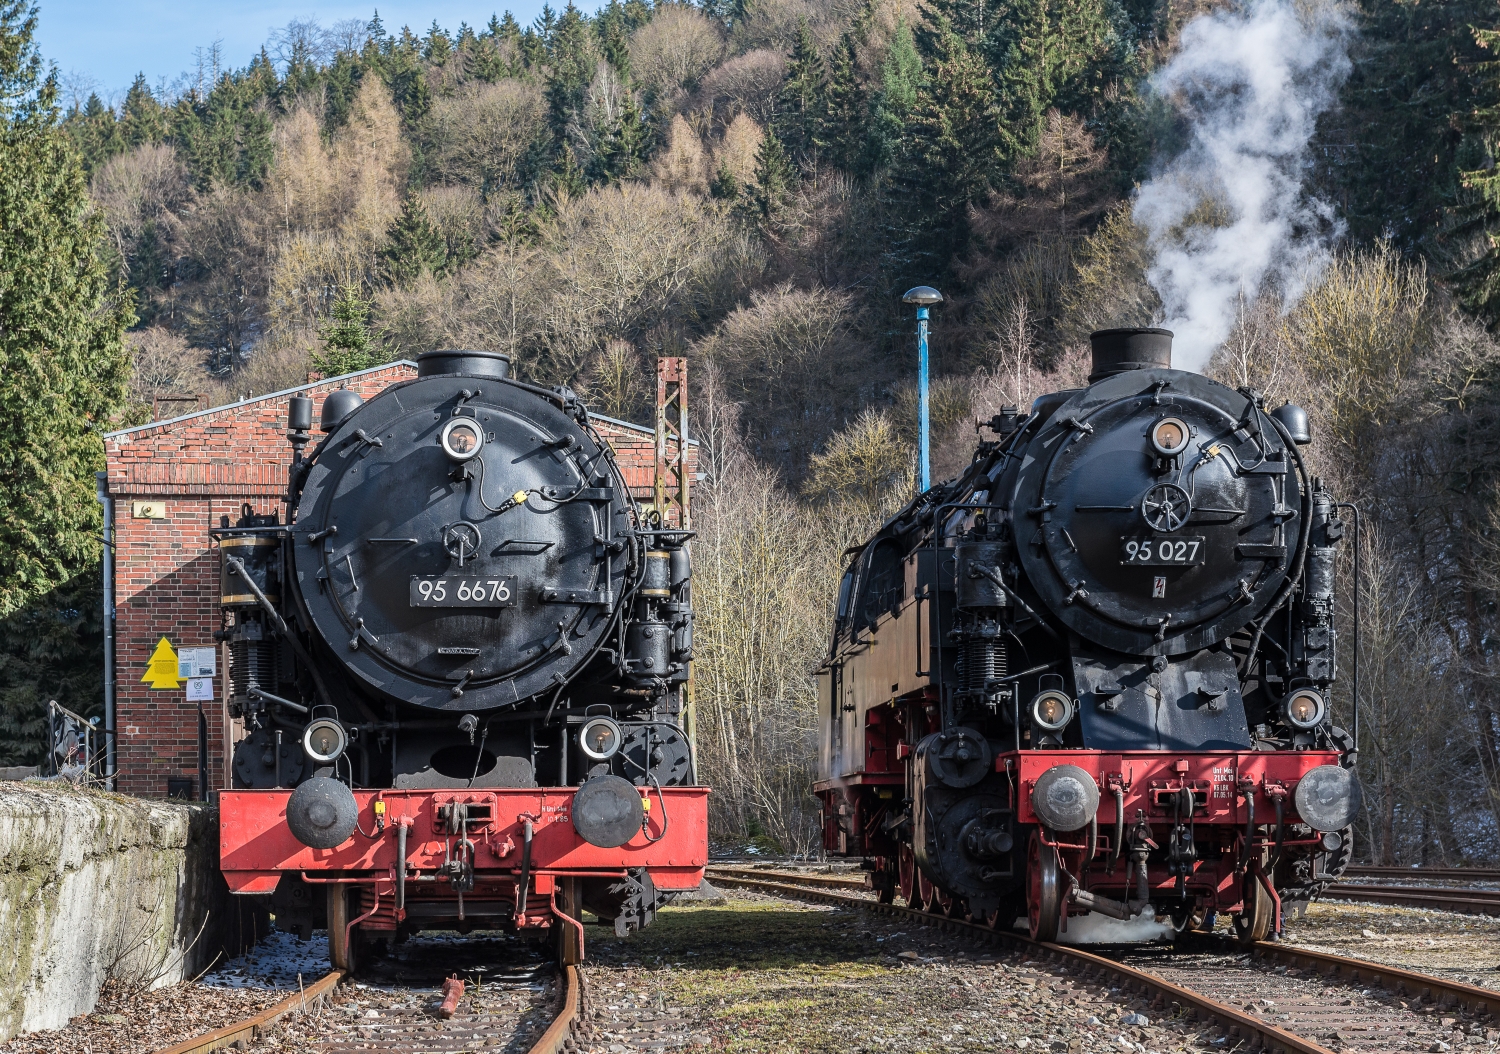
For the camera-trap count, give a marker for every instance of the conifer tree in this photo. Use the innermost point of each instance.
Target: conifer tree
(96, 133)
(1047, 54)
(1406, 108)
(801, 101)
(613, 29)
(623, 151)
(954, 149)
(901, 80)
(842, 132)
(774, 177)
(568, 177)
(63, 364)
(570, 68)
(142, 119)
(346, 340)
(415, 246)
(723, 185)
(1477, 216)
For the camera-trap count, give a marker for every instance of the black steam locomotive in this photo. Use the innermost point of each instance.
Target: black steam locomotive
(460, 667)
(1093, 672)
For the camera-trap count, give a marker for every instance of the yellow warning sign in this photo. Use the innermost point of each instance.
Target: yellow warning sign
(161, 671)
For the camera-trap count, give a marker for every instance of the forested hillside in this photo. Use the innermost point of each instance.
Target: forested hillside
(1308, 193)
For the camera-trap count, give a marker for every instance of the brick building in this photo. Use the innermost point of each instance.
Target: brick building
(170, 481)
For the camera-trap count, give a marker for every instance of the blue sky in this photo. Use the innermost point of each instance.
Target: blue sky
(110, 42)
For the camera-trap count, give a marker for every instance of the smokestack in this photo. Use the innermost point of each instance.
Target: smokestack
(1120, 350)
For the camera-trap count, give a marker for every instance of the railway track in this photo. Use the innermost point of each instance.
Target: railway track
(1436, 898)
(1427, 874)
(406, 1004)
(1261, 996)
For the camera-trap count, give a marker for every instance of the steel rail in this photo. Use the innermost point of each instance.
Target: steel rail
(826, 881)
(553, 1041)
(1463, 901)
(1469, 874)
(1419, 986)
(1422, 987)
(1249, 1030)
(251, 1028)
(569, 1014)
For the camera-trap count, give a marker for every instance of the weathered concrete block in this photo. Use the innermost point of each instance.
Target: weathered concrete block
(98, 887)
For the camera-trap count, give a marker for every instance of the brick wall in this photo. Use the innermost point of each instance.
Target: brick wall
(198, 468)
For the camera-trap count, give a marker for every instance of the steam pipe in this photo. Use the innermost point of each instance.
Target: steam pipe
(525, 878)
(1119, 795)
(401, 863)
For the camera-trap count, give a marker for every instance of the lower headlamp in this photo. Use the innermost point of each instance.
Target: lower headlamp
(1304, 709)
(1051, 710)
(324, 741)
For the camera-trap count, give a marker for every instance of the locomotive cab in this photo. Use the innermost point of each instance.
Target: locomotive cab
(460, 667)
(1094, 672)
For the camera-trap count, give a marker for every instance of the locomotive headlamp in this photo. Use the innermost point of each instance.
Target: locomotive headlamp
(1052, 710)
(324, 741)
(1169, 436)
(462, 437)
(600, 738)
(1304, 709)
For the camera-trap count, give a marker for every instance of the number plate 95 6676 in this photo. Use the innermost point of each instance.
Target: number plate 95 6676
(1162, 552)
(452, 591)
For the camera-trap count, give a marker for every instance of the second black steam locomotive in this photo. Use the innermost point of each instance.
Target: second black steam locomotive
(1093, 673)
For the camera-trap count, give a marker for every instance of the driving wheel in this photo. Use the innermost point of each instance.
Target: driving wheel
(906, 876)
(926, 892)
(1259, 917)
(1043, 889)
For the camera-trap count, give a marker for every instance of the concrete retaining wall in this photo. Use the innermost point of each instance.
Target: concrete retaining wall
(97, 888)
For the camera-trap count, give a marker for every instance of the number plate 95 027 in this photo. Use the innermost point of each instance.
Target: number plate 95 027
(1161, 552)
(466, 592)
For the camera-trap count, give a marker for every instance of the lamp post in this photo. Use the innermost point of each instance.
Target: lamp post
(924, 296)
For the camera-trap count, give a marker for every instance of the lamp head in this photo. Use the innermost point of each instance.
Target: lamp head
(923, 295)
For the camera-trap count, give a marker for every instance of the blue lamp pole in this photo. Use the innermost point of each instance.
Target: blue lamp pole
(924, 296)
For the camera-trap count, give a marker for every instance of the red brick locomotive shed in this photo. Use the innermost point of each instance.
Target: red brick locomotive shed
(167, 483)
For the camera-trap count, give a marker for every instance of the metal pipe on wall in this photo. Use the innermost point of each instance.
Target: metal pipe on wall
(106, 500)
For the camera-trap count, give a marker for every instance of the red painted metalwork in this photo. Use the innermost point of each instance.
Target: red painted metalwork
(1224, 784)
(1148, 777)
(256, 848)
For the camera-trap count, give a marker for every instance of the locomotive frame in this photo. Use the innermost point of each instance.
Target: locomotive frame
(1092, 673)
(460, 664)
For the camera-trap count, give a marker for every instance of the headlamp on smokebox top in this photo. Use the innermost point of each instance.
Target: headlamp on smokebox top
(1304, 709)
(324, 741)
(462, 437)
(1051, 710)
(1169, 436)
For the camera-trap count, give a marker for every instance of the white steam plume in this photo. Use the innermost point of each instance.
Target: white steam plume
(1251, 81)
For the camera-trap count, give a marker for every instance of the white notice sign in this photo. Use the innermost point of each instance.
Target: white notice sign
(197, 662)
(200, 690)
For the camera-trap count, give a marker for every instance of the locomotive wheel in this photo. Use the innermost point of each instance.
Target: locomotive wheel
(944, 904)
(887, 877)
(1259, 917)
(926, 892)
(343, 947)
(1004, 917)
(906, 876)
(1043, 889)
